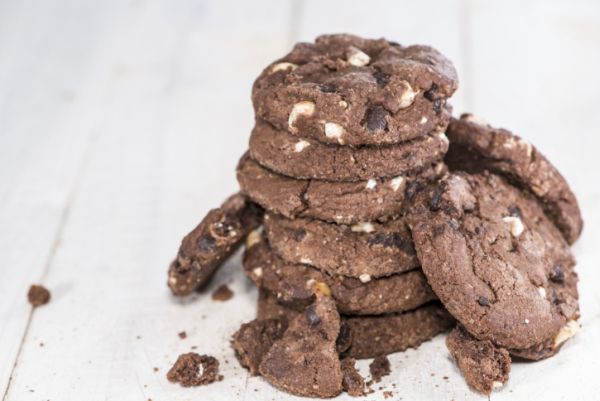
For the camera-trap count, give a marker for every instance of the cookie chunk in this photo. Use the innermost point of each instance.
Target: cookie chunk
(364, 337)
(364, 250)
(296, 284)
(475, 146)
(217, 236)
(343, 89)
(352, 382)
(305, 361)
(338, 202)
(484, 366)
(498, 264)
(379, 368)
(192, 369)
(38, 295)
(305, 158)
(252, 341)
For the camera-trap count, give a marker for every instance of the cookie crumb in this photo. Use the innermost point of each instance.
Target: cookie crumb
(352, 382)
(223, 293)
(155, 369)
(379, 368)
(387, 394)
(192, 369)
(182, 335)
(38, 295)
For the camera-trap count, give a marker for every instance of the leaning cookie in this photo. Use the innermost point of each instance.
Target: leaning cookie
(364, 337)
(496, 262)
(337, 202)
(295, 284)
(343, 89)
(475, 146)
(295, 157)
(217, 236)
(364, 250)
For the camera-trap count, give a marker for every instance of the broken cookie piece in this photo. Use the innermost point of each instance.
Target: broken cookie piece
(379, 368)
(38, 295)
(352, 382)
(217, 236)
(305, 361)
(484, 366)
(192, 369)
(252, 341)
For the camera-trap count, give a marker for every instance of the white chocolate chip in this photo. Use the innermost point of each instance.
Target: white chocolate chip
(172, 280)
(510, 143)
(283, 66)
(364, 227)
(515, 225)
(443, 137)
(475, 120)
(304, 108)
(343, 104)
(439, 168)
(396, 183)
(423, 120)
(497, 384)
(306, 261)
(253, 238)
(408, 95)
(566, 332)
(310, 283)
(525, 145)
(542, 292)
(371, 183)
(357, 57)
(257, 271)
(301, 145)
(364, 278)
(334, 130)
(526, 321)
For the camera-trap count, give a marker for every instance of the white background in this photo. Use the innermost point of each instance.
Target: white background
(121, 123)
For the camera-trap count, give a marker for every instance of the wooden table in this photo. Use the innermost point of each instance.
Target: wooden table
(121, 123)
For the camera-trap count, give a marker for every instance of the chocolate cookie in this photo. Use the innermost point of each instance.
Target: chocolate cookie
(338, 202)
(484, 366)
(295, 284)
(254, 339)
(364, 337)
(217, 236)
(300, 158)
(364, 250)
(491, 255)
(305, 361)
(475, 146)
(348, 90)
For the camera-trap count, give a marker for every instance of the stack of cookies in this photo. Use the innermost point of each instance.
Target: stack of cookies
(374, 221)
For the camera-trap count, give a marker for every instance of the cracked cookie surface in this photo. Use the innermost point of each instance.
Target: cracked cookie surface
(476, 146)
(491, 255)
(343, 89)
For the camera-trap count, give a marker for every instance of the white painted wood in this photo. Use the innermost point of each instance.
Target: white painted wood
(155, 112)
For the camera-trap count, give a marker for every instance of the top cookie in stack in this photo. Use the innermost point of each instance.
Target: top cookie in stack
(347, 130)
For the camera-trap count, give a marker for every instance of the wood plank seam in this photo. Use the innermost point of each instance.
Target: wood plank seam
(64, 218)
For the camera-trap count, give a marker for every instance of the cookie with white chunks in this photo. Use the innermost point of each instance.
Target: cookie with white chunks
(484, 366)
(496, 262)
(337, 202)
(343, 89)
(364, 250)
(208, 245)
(305, 361)
(295, 284)
(476, 146)
(295, 157)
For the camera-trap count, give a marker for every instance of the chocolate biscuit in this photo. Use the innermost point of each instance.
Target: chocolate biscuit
(217, 236)
(484, 366)
(494, 259)
(295, 284)
(348, 90)
(364, 250)
(305, 158)
(253, 339)
(476, 146)
(377, 199)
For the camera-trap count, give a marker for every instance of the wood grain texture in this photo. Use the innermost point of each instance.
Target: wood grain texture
(121, 124)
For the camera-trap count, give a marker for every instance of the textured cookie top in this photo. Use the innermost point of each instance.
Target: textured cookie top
(347, 90)
(495, 260)
(475, 145)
